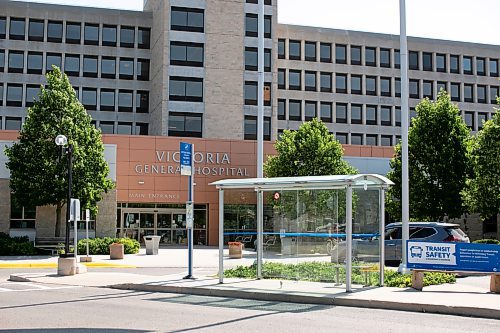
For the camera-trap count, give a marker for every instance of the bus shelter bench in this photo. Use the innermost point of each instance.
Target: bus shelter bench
(52, 244)
(417, 278)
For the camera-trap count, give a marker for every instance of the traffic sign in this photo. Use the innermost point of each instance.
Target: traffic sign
(186, 159)
(74, 214)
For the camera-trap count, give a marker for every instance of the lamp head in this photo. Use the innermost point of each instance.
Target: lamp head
(61, 140)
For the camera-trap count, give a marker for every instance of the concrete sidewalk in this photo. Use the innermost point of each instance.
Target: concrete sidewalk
(470, 296)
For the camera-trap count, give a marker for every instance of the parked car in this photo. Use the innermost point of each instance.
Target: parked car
(368, 249)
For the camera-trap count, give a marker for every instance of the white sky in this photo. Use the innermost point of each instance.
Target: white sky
(464, 20)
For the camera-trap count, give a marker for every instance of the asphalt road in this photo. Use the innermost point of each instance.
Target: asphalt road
(52, 308)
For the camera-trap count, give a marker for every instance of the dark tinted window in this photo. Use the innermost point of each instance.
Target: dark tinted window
(341, 113)
(356, 86)
(89, 98)
(481, 119)
(126, 68)
(441, 63)
(310, 110)
(428, 89)
(3, 23)
(385, 58)
(385, 115)
(35, 62)
(108, 67)
(341, 138)
(356, 139)
(107, 127)
(187, 19)
(355, 55)
(371, 115)
(90, 66)
(107, 100)
(31, 94)
(36, 30)
(250, 128)
(356, 113)
(250, 93)
(2, 60)
(341, 83)
(17, 28)
(455, 92)
(14, 95)
(386, 140)
(370, 56)
(185, 124)
(310, 81)
(326, 82)
(281, 109)
(91, 35)
(190, 54)
(467, 65)
(16, 61)
(294, 50)
(469, 119)
(294, 80)
(454, 64)
(371, 140)
(385, 86)
(413, 60)
(186, 89)
(325, 50)
(127, 35)
(397, 87)
(13, 123)
(397, 59)
(72, 64)
(310, 51)
(481, 66)
(53, 59)
(281, 78)
(124, 128)
(73, 34)
(493, 67)
(144, 38)
(109, 35)
(142, 102)
(294, 110)
(494, 92)
(340, 54)
(414, 89)
(281, 49)
(468, 93)
(427, 61)
(143, 69)
(141, 129)
(371, 85)
(54, 31)
(326, 111)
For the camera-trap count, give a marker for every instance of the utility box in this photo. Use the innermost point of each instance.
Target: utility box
(288, 245)
(235, 250)
(152, 244)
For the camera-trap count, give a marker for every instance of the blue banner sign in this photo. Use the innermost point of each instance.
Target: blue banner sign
(453, 256)
(186, 159)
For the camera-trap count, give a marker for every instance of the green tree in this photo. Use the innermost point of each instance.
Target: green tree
(438, 162)
(38, 169)
(310, 151)
(482, 192)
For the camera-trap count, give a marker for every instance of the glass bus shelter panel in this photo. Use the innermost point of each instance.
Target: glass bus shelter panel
(240, 217)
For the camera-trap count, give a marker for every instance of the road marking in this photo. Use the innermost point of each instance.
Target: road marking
(31, 287)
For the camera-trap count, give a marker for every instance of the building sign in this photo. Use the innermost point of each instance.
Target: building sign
(186, 151)
(205, 163)
(453, 256)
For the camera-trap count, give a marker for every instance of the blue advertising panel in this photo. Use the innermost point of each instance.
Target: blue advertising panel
(453, 256)
(186, 159)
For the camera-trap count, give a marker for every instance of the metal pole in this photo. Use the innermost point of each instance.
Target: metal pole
(221, 236)
(260, 91)
(348, 238)
(405, 193)
(76, 237)
(190, 228)
(260, 230)
(381, 231)
(87, 220)
(69, 152)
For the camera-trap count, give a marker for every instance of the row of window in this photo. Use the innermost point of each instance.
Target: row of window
(121, 100)
(75, 32)
(107, 127)
(352, 113)
(75, 65)
(383, 86)
(388, 58)
(252, 25)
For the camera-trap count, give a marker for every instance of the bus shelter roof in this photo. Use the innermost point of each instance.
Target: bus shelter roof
(308, 182)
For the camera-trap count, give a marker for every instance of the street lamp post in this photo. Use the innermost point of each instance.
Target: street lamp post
(62, 141)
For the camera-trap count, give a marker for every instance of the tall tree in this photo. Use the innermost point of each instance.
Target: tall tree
(38, 169)
(438, 162)
(310, 151)
(482, 192)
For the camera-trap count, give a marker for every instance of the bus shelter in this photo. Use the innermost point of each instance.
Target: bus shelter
(301, 209)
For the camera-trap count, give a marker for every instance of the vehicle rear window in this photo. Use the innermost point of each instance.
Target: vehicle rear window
(421, 232)
(456, 231)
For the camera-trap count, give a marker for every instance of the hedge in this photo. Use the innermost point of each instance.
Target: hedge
(487, 241)
(16, 246)
(101, 245)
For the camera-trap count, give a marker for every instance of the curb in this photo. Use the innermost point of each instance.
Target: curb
(321, 300)
(54, 265)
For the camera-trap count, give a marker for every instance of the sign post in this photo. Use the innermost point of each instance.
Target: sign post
(75, 217)
(186, 160)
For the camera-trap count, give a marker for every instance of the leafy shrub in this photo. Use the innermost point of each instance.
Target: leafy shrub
(487, 241)
(326, 272)
(16, 246)
(101, 245)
